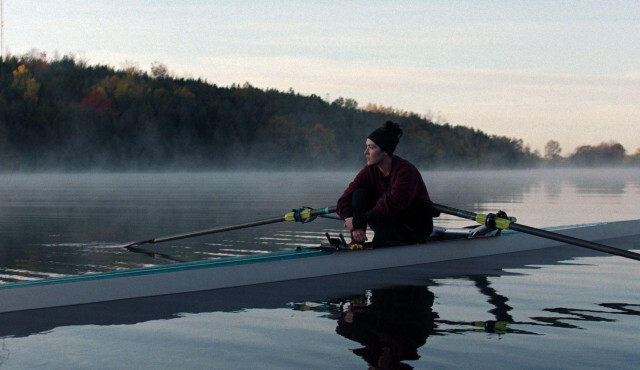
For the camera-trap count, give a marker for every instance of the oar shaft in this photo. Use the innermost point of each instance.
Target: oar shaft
(218, 230)
(506, 224)
(454, 211)
(291, 216)
(575, 241)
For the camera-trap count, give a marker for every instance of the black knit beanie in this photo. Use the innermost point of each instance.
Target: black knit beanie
(387, 136)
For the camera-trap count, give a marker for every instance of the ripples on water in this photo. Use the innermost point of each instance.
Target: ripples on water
(574, 309)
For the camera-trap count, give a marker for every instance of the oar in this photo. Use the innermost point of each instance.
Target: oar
(501, 223)
(300, 215)
(163, 256)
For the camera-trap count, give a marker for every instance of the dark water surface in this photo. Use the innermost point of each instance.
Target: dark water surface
(567, 308)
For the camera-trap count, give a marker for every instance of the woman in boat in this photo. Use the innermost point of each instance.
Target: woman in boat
(388, 194)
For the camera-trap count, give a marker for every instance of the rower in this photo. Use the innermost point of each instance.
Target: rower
(388, 195)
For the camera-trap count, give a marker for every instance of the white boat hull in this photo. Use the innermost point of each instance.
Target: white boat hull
(274, 267)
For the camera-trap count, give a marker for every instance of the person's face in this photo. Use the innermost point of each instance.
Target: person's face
(374, 154)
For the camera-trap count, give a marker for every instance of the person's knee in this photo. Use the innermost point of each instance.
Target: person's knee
(361, 195)
(361, 200)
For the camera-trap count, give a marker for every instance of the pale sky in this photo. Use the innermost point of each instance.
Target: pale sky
(535, 70)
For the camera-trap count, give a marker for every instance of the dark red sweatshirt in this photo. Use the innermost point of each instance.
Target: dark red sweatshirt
(403, 184)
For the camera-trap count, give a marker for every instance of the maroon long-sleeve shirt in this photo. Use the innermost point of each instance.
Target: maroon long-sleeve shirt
(402, 186)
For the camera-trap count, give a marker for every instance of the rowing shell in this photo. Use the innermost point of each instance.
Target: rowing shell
(277, 266)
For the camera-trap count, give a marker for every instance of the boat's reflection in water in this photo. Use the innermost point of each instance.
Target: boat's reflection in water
(390, 313)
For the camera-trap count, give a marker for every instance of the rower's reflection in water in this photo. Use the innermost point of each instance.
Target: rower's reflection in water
(391, 324)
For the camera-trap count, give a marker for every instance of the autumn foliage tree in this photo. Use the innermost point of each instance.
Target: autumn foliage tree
(66, 114)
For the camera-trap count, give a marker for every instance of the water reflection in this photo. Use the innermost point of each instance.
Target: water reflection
(390, 324)
(387, 322)
(603, 181)
(570, 316)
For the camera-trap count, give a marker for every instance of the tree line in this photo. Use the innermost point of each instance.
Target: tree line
(604, 154)
(67, 115)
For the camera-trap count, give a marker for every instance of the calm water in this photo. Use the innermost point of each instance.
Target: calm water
(569, 309)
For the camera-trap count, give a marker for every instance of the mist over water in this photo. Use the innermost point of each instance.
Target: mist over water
(69, 223)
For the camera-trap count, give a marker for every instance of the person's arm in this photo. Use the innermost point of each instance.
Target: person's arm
(403, 188)
(344, 206)
(359, 235)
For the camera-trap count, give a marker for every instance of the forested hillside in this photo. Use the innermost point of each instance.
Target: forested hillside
(65, 114)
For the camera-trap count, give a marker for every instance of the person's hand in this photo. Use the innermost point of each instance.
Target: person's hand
(348, 223)
(359, 236)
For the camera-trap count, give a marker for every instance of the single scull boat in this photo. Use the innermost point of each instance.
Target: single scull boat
(450, 244)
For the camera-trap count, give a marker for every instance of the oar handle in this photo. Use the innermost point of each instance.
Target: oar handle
(504, 224)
